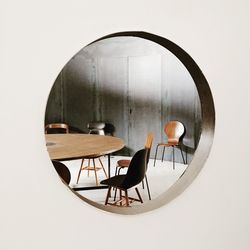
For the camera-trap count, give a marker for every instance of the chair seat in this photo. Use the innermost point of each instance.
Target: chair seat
(114, 181)
(123, 163)
(168, 144)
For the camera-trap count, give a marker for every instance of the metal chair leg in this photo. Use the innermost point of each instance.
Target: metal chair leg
(116, 170)
(156, 154)
(142, 184)
(182, 155)
(115, 194)
(120, 197)
(149, 196)
(173, 158)
(137, 191)
(163, 154)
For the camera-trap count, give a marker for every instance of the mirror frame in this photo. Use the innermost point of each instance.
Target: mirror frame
(207, 131)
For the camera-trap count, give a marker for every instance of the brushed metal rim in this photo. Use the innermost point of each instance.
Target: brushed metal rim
(207, 132)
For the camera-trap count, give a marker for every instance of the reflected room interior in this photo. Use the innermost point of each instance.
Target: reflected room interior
(126, 87)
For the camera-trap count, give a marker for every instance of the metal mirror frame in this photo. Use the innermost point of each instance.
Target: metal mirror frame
(206, 137)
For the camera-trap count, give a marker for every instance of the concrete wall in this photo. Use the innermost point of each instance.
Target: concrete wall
(37, 211)
(132, 83)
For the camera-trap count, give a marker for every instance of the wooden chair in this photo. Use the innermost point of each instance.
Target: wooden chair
(56, 127)
(62, 171)
(98, 129)
(175, 131)
(135, 174)
(122, 164)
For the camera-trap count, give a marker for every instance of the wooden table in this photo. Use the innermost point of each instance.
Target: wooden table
(64, 147)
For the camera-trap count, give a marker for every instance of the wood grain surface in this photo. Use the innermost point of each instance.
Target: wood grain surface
(77, 146)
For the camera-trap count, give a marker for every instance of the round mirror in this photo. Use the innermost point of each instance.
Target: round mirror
(129, 122)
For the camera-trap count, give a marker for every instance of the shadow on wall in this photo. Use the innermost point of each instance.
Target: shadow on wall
(134, 92)
(131, 122)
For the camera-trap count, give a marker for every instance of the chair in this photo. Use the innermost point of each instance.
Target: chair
(122, 164)
(56, 128)
(175, 131)
(62, 171)
(98, 129)
(135, 174)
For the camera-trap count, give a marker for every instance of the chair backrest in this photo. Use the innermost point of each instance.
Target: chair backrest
(96, 128)
(136, 170)
(62, 127)
(62, 171)
(174, 131)
(148, 144)
(109, 129)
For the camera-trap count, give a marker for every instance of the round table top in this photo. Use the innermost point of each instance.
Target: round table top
(77, 146)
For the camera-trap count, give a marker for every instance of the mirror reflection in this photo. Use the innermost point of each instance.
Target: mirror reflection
(122, 122)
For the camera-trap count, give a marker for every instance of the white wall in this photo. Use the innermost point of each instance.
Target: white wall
(37, 211)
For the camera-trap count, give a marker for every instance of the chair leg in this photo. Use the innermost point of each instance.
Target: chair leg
(88, 167)
(173, 158)
(96, 180)
(119, 171)
(149, 195)
(120, 197)
(103, 168)
(115, 174)
(80, 170)
(163, 154)
(116, 188)
(142, 184)
(156, 154)
(137, 191)
(116, 170)
(126, 197)
(182, 155)
(115, 194)
(108, 195)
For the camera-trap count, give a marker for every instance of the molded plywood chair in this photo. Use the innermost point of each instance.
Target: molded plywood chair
(175, 131)
(62, 171)
(135, 174)
(98, 129)
(56, 128)
(122, 164)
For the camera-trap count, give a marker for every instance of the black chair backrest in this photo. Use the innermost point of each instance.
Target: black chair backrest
(136, 170)
(62, 171)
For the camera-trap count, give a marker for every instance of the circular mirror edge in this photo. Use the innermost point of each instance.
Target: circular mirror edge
(207, 132)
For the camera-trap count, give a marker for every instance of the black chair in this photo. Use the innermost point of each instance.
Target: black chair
(62, 171)
(135, 174)
(123, 164)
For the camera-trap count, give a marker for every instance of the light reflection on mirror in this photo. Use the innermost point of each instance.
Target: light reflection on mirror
(128, 86)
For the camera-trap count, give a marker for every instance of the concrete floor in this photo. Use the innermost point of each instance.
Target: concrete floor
(160, 178)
